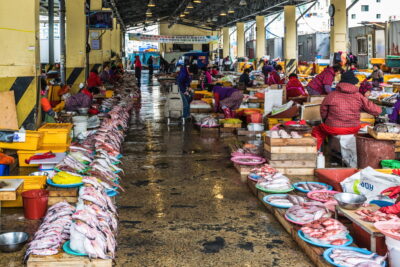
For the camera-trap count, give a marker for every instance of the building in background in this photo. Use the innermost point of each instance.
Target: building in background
(373, 11)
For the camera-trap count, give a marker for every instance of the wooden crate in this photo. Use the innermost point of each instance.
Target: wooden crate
(293, 164)
(57, 194)
(383, 136)
(296, 171)
(245, 132)
(64, 259)
(305, 141)
(232, 125)
(290, 156)
(290, 149)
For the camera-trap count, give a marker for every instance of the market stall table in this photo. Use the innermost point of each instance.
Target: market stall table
(366, 226)
(313, 252)
(9, 191)
(64, 259)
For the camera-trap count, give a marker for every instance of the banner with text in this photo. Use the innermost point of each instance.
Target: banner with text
(173, 39)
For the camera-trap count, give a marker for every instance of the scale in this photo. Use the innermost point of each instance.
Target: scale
(48, 164)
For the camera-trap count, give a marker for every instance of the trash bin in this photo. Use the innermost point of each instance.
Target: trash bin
(35, 203)
(371, 151)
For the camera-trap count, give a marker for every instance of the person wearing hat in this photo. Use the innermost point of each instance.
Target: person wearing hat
(340, 110)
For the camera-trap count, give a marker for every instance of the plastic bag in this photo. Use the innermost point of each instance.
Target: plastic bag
(6, 137)
(369, 183)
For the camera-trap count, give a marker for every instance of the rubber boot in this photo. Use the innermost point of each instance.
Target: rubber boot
(227, 113)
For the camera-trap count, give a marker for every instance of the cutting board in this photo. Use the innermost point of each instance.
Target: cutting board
(12, 184)
(8, 114)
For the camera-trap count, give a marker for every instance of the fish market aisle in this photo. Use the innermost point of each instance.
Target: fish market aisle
(184, 204)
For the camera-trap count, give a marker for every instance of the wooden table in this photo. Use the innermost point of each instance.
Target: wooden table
(64, 259)
(57, 194)
(366, 226)
(12, 194)
(313, 252)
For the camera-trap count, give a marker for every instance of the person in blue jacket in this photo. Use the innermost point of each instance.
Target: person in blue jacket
(183, 81)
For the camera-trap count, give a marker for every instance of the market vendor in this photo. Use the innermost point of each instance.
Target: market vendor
(94, 79)
(105, 74)
(340, 110)
(275, 76)
(207, 79)
(227, 99)
(215, 71)
(394, 117)
(83, 99)
(245, 78)
(376, 75)
(322, 83)
(266, 70)
(294, 87)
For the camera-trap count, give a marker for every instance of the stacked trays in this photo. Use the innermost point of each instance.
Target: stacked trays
(292, 156)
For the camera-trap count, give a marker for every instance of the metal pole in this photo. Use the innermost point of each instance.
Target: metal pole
(51, 31)
(62, 42)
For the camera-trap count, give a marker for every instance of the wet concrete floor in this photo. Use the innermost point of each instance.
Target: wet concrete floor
(184, 203)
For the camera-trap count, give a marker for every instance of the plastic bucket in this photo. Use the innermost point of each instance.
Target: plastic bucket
(80, 127)
(35, 203)
(256, 118)
(393, 246)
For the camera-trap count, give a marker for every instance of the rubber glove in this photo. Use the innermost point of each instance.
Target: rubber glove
(394, 191)
(395, 209)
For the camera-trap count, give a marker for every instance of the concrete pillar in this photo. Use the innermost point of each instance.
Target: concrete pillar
(226, 42)
(75, 43)
(95, 56)
(290, 49)
(20, 57)
(240, 39)
(106, 43)
(117, 39)
(339, 27)
(260, 37)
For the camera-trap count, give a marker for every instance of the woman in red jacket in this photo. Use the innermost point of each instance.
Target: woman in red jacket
(94, 79)
(294, 88)
(340, 110)
(275, 76)
(322, 83)
(138, 69)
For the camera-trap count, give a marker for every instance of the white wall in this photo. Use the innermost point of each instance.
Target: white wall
(388, 9)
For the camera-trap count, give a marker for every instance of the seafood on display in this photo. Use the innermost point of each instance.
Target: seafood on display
(312, 186)
(326, 231)
(351, 258)
(71, 164)
(283, 134)
(308, 212)
(375, 216)
(95, 222)
(54, 230)
(323, 195)
(276, 182)
(264, 171)
(286, 200)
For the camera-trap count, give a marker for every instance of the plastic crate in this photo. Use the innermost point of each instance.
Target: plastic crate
(56, 133)
(4, 170)
(30, 182)
(26, 154)
(33, 140)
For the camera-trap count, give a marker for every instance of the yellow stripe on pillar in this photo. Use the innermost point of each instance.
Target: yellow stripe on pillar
(6, 83)
(27, 105)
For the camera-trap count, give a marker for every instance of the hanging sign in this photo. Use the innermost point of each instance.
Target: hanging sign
(173, 39)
